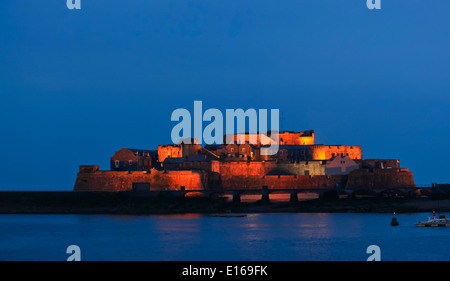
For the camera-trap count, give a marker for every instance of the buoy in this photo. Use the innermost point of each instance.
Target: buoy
(394, 221)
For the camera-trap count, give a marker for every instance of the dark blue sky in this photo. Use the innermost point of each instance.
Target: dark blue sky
(76, 86)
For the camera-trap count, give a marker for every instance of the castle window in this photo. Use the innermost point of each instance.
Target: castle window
(116, 164)
(306, 172)
(130, 162)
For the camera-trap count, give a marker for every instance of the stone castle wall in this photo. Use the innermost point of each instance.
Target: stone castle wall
(326, 152)
(281, 182)
(237, 175)
(91, 179)
(255, 168)
(382, 178)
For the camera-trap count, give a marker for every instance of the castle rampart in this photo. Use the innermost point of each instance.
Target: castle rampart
(326, 152)
(89, 178)
(381, 178)
(299, 163)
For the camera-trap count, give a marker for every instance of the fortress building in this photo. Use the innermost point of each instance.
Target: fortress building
(284, 138)
(299, 163)
(127, 159)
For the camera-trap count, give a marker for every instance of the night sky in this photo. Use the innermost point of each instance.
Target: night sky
(77, 85)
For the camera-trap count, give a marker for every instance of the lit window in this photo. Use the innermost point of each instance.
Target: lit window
(130, 162)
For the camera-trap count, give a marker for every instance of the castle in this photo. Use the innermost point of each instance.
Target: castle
(299, 163)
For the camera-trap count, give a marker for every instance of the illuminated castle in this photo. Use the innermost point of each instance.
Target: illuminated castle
(299, 163)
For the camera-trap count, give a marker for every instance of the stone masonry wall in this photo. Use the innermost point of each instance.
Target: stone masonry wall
(382, 178)
(281, 182)
(122, 181)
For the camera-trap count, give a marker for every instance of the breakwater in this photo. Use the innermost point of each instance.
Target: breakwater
(69, 202)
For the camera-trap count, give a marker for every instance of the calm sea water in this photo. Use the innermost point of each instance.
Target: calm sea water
(264, 237)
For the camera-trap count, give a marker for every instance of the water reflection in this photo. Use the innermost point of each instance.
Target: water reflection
(198, 237)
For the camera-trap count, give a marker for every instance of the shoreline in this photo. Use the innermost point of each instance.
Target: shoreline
(68, 202)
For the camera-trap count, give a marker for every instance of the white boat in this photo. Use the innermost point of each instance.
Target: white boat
(442, 220)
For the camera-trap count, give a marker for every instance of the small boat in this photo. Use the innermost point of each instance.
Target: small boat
(433, 221)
